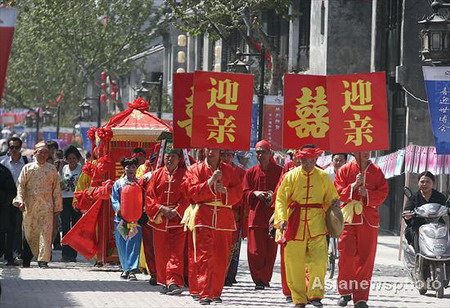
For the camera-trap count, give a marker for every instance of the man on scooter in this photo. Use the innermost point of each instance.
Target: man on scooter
(426, 194)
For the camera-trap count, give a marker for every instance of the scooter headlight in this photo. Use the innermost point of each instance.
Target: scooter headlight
(441, 232)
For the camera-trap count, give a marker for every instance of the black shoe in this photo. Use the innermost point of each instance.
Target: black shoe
(173, 289)
(259, 286)
(132, 277)
(234, 280)
(163, 290)
(26, 264)
(289, 299)
(196, 297)
(11, 263)
(153, 281)
(228, 283)
(361, 304)
(343, 300)
(217, 300)
(124, 275)
(43, 264)
(98, 264)
(204, 301)
(316, 302)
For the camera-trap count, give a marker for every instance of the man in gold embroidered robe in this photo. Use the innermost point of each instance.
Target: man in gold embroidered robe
(39, 198)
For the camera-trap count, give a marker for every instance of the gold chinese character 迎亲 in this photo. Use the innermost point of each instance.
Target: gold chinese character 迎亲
(359, 97)
(359, 129)
(312, 113)
(222, 127)
(225, 95)
(187, 124)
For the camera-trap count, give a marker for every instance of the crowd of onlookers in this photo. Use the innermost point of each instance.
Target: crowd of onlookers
(68, 163)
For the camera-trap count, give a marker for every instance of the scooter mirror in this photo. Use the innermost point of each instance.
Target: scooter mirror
(407, 191)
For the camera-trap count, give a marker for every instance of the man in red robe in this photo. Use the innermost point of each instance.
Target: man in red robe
(214, 188)
(241, 227)
(363, 188)
(165, 208)
(259, 183)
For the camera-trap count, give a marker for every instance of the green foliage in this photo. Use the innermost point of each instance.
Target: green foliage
(219, 18)
(65, 44)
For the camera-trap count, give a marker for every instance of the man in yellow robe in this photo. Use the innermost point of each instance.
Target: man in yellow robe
(303, 198)
(39, 197)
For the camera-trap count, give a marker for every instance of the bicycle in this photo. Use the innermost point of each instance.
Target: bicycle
(333, 255)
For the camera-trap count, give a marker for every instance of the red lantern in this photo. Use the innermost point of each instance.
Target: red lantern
(131, 202)
(103, 98)
(103, 86)
(103, 75)
(113, 95)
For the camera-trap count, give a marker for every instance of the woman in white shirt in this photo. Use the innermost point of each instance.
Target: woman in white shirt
(69, 216)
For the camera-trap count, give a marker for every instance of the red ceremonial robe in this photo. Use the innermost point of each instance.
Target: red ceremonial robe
(358, 242)
(262, 249)
(169, 238)
(147, 233)
(214, 225)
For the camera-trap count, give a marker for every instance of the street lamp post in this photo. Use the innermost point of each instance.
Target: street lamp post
(241, 66)
(435, 36)
(144, 92)
(99, 108)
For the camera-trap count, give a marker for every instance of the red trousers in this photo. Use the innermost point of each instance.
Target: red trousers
(357, 248)
(192, 266)
(261, 253)
(169, 256)
(284, 285)
(149, 251)
(213, 251)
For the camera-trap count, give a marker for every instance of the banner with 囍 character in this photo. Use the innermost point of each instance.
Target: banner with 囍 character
(183, 100)
(306, 111)
(358, 112)
(222, 110)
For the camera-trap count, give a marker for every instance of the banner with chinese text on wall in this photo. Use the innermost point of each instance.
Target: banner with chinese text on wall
(358, 112)
(222, 110)
(306, 115)
(273, 118)
(183, 99)
(7, 25)
(437, 82)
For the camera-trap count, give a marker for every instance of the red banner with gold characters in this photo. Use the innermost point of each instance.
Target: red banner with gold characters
(306, 111)
(222, 110)
(7, 26)
(358, 112)
(183, 100)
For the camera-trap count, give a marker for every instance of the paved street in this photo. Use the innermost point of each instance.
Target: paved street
(82, 285)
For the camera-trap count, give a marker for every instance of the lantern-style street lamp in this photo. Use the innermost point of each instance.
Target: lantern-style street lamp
(144, 92)
(435, 36)
(85, 111)
(239, 66)
(47, 117)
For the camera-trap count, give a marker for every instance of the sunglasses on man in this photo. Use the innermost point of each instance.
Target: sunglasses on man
(14, 147)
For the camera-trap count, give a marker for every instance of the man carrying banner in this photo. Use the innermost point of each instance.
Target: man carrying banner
(165, 207)
(259, 183)
(363, 188)
(214, 188)
(241, 226)
(302, 200)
